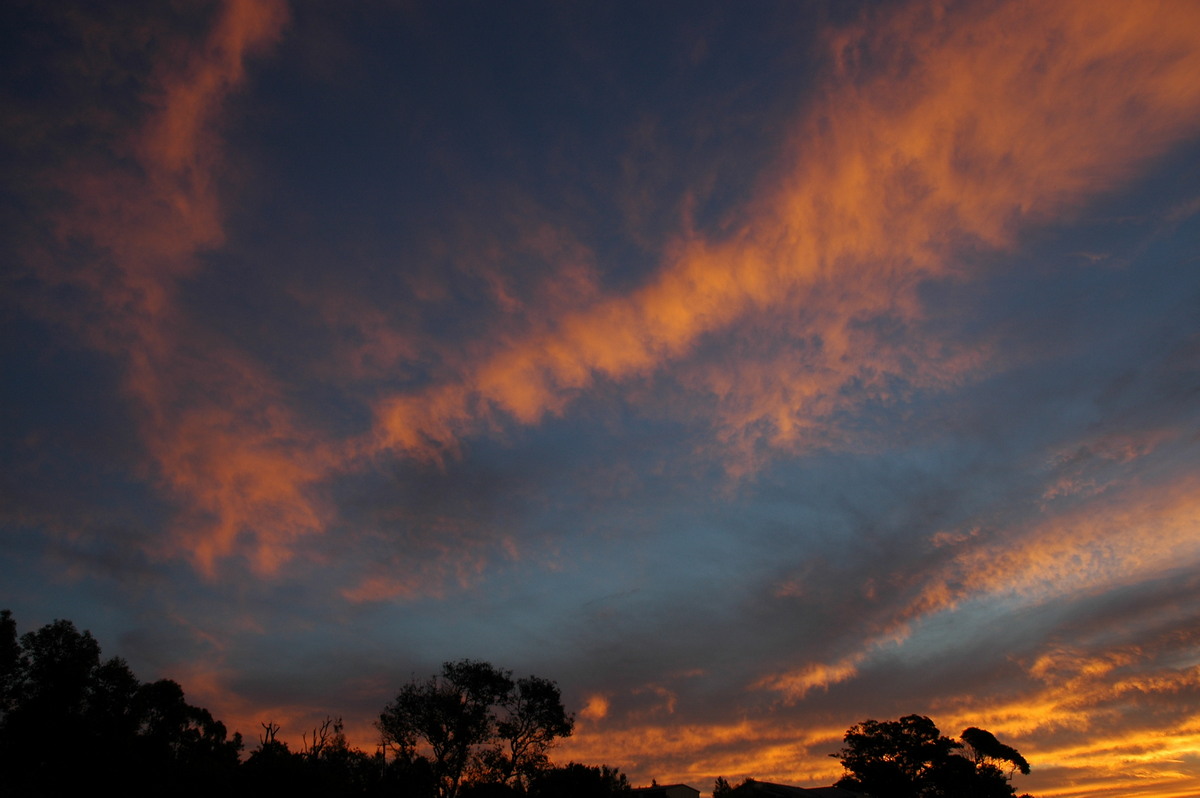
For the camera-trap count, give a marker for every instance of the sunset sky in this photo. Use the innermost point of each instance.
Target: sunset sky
(749, 368)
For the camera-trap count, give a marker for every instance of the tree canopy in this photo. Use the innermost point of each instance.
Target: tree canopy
(574, 780)
(56, 692)
(909, 758)
(473, 718)
(986, 749)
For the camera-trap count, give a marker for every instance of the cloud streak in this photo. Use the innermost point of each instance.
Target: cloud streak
(215, 424)
(1003, 116)
(889, 184)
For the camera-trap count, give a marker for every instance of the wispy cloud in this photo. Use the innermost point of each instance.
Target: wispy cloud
(215, 424)
(939, 132)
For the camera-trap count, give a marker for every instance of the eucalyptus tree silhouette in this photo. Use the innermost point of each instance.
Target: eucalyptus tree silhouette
(909, 758)
(473, 718)
(986, 749)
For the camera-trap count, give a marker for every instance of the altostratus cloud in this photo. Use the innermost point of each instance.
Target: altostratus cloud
(939, 126)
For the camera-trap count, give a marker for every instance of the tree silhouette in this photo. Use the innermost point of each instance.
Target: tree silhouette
(49, 706)
(10, 660)
(985, 749)
(450, 715)
(574, 780)
(909, 758)
(531, 718)
(892, 759)
(69, 721)
(475, 723)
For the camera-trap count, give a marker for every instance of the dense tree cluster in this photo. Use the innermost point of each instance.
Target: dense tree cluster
(71, 722)
(909, 758)
(475, 721)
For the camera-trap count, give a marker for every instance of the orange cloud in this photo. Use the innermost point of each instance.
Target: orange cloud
(1083, 724)
(798, 683)
(1087, 726)
(938, 130)
(941, 129)
(1106, 714)
(452, 564)
(596, 708)
(1121, 537)
(766, 749)
(215, 424)
(209, 687)
(244, 472)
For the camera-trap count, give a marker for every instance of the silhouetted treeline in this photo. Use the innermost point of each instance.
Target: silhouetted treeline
(72, 723)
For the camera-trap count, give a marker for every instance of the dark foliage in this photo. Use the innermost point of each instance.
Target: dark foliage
(477, 726)
(70, 721)
(327, 767)
(74, 723)
(986, 749)
(583, 781)
(909, 758)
